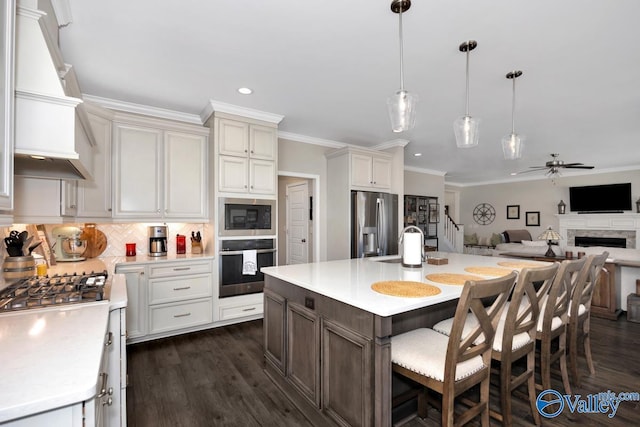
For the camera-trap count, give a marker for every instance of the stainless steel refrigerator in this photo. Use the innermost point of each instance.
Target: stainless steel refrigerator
(374, 224)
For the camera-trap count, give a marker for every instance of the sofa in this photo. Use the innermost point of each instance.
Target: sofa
(520, 241)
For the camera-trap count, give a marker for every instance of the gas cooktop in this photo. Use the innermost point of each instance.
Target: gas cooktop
(39, 292)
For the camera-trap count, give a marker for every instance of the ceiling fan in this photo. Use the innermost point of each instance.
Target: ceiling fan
(553, 166)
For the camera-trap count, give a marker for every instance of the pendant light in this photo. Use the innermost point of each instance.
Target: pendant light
(512, 145)
(466, 128)
(402, 104)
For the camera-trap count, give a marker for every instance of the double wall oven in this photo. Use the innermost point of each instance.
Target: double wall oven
(246, 228)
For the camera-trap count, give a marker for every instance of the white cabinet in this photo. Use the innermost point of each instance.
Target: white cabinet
(240, 308)
(69, 198)
(372, 171)
(247, 155)
(160, 171)
(117, 370)
(7, 19)
(94, 196)
(168, 298)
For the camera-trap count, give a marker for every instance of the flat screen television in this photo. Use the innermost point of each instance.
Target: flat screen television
(600, 198)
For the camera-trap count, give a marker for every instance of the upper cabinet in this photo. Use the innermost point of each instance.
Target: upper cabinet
(247, 154)
(160, 169)
(371, 171)
(94, 196)
(7, 20)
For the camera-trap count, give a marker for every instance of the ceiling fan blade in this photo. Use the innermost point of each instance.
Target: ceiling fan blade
(538, 167)
(572, 164)
(578, 167)
(528, 171)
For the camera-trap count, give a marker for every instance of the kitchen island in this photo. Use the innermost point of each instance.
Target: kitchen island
(327, 334)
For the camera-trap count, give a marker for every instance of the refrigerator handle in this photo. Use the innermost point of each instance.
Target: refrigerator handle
(380, 228)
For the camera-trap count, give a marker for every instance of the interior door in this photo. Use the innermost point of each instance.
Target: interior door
(298, 223)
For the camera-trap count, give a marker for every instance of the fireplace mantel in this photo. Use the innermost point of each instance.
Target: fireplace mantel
(613, 222)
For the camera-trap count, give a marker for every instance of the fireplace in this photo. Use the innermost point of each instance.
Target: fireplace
(611, 242)
(608, 226)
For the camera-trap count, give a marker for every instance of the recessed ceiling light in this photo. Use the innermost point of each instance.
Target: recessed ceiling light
(245, 91)
(417, 154)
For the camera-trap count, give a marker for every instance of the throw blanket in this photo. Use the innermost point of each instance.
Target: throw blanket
(517, 236)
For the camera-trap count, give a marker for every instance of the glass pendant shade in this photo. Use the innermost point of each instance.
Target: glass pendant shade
(402, 110)
(512, 146)
(467, 131)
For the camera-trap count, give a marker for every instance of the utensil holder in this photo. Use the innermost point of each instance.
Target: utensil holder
(196, 247)
(18, 267)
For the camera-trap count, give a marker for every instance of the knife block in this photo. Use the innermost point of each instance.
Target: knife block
(196, 247)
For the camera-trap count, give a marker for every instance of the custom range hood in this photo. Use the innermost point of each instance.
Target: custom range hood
(53, 137)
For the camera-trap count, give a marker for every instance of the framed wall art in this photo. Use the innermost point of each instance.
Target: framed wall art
(513, 211)
(533, 219)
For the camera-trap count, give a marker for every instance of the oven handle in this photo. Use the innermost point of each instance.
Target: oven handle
(258, 251)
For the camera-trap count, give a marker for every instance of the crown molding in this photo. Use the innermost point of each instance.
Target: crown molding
(144, 110)
(391, 144)
(424, 170)
(311, 140)
(62, 10)
(221, 107)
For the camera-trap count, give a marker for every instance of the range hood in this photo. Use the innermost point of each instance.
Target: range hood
(53, 137)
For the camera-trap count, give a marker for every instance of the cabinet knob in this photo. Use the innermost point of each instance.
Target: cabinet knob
(245, 186)
(251, 151)
(109, 210)
(72, 206)
(304, 240)
(245, 150)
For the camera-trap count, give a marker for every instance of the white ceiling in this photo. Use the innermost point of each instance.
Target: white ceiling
(328, 67)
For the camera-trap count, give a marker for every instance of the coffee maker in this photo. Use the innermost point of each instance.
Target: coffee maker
(158, 240)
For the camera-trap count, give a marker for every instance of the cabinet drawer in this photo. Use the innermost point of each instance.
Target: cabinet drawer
(176, 289)
(178, 269)
(168, 317)
(235, 312)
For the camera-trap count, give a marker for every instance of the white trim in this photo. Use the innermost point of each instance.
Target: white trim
(316, 206)
(145, 110)
(66, 101)
(311, 140)
(215, 106)
(390, 144)
(424, 170)
(62, 10)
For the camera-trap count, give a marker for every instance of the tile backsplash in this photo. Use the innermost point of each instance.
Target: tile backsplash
(119, 234)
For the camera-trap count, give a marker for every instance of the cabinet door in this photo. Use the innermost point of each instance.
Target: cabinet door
(69, 198)
(361, 170)
(136, 303)
(303, 351)
(37, 200)
(262, 142)
(7, 44)
(137, 171)
(381, 172)
(604, 300)
(185, 177)
(233, 174)
(274, 321)
(233, 138)
(347, 390)
(262, 179)
(94, 197)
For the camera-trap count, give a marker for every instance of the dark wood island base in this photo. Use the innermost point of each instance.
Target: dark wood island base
(331, 359)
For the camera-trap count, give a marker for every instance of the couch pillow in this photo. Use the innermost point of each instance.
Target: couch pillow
(496, 239)
(471, 239)
(534, 242)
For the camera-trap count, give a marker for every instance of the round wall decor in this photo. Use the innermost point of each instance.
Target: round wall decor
(484, 214)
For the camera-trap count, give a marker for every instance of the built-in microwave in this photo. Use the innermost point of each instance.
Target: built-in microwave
(246, 217)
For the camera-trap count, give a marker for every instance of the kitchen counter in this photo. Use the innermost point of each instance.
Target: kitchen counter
(349, 281)
(321, 318)
(50, 357)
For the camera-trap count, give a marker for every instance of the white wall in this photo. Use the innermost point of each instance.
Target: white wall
(298, 157)
(538, 196)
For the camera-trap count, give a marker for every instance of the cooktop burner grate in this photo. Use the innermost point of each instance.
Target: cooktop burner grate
(38, 292)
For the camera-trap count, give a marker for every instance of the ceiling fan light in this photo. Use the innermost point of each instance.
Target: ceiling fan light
(402, 110)
(512, 146)
(467, 131)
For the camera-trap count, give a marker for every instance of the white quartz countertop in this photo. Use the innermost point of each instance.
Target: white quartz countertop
(349, 281)
(50, 357)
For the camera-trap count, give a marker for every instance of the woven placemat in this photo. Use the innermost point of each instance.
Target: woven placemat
(452, 278)
(488, 271)
(405, 288)
(521, 264)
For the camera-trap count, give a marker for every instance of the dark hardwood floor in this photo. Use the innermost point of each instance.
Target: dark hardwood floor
(216, 378)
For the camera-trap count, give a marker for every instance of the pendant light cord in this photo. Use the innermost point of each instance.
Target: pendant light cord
(467, 110)
(401, 50)
(513, 108)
